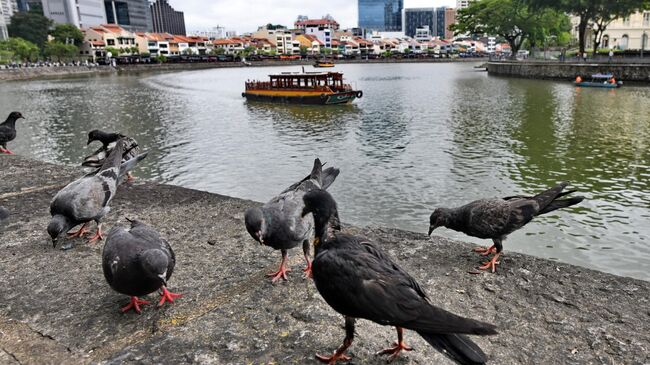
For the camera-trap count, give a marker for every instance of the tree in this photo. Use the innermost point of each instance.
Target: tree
(65, 33)
(188, 51)
(326, 51)
(608, 11)
(60, 51)
(511, 19)
(20, 49)
(304, 50)
(31, 26)
(113, 51)
(134, 50)
(217, 51)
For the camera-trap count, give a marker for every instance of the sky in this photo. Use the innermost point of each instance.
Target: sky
(247, 15)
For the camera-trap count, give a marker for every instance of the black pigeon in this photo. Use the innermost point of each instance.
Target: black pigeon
(497, 218)
(278, 223)
(8, 131)
(136, 262)
(109, 140)
(86, 199)
(360, 281)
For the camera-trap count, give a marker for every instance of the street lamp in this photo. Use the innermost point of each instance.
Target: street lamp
(644, 39)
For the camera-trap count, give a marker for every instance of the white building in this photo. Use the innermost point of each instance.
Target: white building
(628, 33)
(213, 33)
(491, 45)
(80, 13)
(422, 34)
(322, 34)
(285, 43)
(462, 4)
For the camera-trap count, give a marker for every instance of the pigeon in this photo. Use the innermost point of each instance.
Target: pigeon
(358, 280)
(137, 262)
(8, 131)
(497, 218)
(278, 223)
(86, 199)
(108, 140)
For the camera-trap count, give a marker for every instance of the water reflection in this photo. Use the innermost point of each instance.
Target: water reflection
(423, 135)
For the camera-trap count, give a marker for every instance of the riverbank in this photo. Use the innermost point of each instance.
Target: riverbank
(58, 309)
(35, 73)
(636, 72)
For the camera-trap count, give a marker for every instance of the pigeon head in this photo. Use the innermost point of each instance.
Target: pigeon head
(322, 206)
(103, 137)
(58, 226)
(439, 218)
(255, 223)
(15, 116)
(154, 264)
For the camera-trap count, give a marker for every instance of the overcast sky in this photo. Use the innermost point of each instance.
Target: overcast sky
(247, 15)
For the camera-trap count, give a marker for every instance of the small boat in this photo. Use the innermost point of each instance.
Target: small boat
(599, 80)
(318, 88)
(321, 64)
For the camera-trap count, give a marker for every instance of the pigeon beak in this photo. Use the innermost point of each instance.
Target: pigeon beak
(431, 228)
(54, 242)
(305, 211)
(260, 237)
(163, 278)
(89, 142)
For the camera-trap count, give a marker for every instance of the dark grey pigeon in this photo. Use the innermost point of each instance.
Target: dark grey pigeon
(497, 218)
(86, 199)
(278, 223)
(8, 131)
(137, 262)
(109, 140)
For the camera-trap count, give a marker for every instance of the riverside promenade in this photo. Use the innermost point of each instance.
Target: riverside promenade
(56, 308)
(567, 71)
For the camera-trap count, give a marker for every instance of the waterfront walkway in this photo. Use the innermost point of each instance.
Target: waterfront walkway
(56, 307)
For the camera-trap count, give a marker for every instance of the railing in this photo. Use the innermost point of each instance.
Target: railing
(265, 85)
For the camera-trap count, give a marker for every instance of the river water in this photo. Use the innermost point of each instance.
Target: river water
(423, 136)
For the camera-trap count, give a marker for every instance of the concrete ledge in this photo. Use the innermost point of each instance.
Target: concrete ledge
(30, 73)
(57, 309)
(568, 71)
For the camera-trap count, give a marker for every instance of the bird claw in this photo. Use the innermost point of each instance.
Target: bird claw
(491, 264)
(168, 296)
(281, 273)
(98, 236)
(80, 233)
(331, 360)
(485, 251)
(307, 271)
(395, 350)
(135, 305)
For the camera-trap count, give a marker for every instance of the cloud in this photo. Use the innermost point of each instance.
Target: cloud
(247, 15)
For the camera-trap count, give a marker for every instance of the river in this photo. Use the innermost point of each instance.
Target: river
(423, 136)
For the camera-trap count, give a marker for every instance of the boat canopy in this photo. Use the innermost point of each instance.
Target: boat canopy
(602, 76)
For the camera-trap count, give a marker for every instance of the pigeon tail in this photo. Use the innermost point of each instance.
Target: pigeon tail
(561, 203)
(316, 171)
(457, 347)
(328, 176)
(130, 164)
(545, 198)
(114, 159)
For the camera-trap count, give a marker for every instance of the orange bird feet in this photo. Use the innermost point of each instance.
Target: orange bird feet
(485, 251)
(167, 296)
(307, 270)
(491, 264)
(135, 305)
(394, 351)
(280, 274)
(4, 150)
(331, 360)
(99, 235)
(80, 233)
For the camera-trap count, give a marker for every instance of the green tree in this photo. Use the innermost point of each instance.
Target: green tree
(161, 58)
(188, 51)
(326, 51)
(114, 51)
(31, 26)
(511, 19)
(304, 50)
(20, 49)
(217, 51)
(595, 13)
(61, 51)
(65, 33)
(134, 50)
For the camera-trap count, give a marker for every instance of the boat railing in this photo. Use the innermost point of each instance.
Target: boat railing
(266, 85)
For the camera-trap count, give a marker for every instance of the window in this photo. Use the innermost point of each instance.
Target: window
(605, 41)
(646, 18)
(624, 42)
(110, 42)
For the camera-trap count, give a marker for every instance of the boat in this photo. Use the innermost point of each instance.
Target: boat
(317, 88)
(321, 64)
(599, 80)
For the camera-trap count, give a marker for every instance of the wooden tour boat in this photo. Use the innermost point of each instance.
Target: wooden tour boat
(321, 64)
(319, 88)
(599, 80)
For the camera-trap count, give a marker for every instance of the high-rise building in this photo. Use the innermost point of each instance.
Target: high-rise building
(132, 15)
(381, 15)
(440, 22)
(462, 4)
(8, 8)
(166, 19)
(450, 18)
(80, 13)
(417, 18)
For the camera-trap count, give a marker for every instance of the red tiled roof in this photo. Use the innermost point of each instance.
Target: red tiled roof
(97, 43)
(113, 28)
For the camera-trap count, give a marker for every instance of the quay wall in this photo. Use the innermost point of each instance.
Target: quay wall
(56, 307)
(568, 71)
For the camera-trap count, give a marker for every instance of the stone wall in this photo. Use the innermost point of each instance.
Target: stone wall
(568, 71)
(28, 73)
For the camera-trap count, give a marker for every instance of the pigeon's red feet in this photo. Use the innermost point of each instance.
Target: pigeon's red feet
(167, 296)
(98, 235)
(331, 360)
(491, 264)
(486, 251)
(129, 177)
(4, 150)
(80, 233)
(395, 350)
(281, 273)
(135, 305)
(307, 270)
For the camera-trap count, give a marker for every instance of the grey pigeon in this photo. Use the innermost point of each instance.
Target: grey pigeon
(87, 199)
(278, 223)
(109, 140)
(358, 280)
(136, 262)
(8, 131)
(497, 218)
